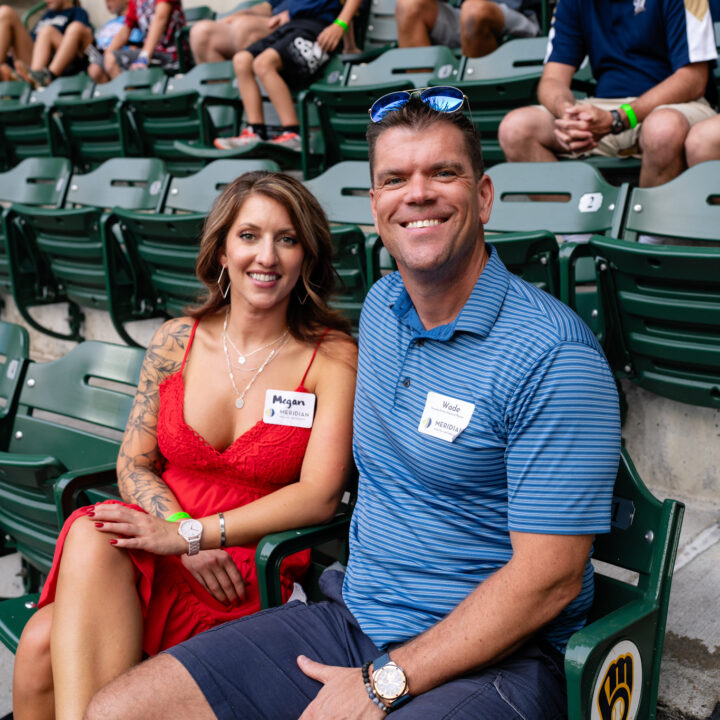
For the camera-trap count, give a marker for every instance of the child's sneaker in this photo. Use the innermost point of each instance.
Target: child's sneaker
(245, 138)
(289, 140)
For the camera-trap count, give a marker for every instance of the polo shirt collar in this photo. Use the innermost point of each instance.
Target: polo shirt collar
(477, 315)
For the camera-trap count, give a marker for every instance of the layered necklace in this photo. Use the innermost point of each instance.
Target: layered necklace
(242, 359)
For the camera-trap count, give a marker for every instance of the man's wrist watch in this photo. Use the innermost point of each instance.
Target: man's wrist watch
(389, 682)
(191, 530)
(618, 125)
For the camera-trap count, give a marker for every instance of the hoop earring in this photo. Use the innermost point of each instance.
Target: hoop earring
(219, 280)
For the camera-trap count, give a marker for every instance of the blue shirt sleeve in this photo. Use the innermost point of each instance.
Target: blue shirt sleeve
(565, 41)
(563, 444)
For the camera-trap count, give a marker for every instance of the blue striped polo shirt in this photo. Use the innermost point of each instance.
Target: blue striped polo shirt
(539, 454)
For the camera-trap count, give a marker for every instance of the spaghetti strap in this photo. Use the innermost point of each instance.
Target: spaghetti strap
(190, 342)
(307, 370)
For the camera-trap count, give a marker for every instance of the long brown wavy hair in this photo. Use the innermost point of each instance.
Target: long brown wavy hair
(307, 319)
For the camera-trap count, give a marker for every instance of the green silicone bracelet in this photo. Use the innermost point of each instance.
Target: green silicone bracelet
(341, 23)
(632, 117)
(178, 516)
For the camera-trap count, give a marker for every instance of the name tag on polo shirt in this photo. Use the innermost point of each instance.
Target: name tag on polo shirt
(286, 407)
(445, 417)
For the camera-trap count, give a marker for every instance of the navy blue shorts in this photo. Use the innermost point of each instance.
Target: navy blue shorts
(235, 664)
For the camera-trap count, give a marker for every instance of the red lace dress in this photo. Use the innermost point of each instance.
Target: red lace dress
(206, 481)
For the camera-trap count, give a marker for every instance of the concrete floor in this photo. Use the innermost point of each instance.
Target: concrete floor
(690, 677)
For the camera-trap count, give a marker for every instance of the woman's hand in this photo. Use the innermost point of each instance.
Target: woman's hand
(218, 574)
(137, 530)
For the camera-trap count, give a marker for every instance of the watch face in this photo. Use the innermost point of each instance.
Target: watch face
(190, 529)
(389, 681)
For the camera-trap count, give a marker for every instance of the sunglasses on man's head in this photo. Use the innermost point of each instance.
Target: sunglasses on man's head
(443, 98)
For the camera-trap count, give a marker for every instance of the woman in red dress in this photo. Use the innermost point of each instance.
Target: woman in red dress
(241, 426)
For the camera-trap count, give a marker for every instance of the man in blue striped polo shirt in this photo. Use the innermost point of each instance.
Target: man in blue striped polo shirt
(487, 439)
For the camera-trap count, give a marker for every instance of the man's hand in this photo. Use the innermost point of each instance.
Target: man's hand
(343, 695)
(581, 127)
(217, 573)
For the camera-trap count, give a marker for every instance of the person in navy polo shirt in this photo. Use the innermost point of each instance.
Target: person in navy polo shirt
(487, 437)
(651, 60)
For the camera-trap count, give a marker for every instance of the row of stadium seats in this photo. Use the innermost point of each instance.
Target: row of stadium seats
(124, 238)
(49, 466)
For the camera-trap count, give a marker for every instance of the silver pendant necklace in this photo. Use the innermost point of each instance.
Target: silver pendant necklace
(240, 400)
(243, 357)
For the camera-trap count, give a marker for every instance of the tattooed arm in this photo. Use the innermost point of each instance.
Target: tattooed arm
(139, 462)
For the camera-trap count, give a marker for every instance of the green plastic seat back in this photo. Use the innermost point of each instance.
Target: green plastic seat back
(14, 353)
(71, 415)
(343, 192)
(381, 29)
(96, 128)
(565, 198)
(13, 92)
(35, 181)
(27, 127)
(626, 627)
(198, 192)
(350, 265)
(531, 255)
(136, 183)
(194, 107)
(682, 208)
(662, 310)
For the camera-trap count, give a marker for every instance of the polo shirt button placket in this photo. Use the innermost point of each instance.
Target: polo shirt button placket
(406, 382)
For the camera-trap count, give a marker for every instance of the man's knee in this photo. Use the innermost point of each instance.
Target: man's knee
(520, 127)
(663, 133)
(479, 16)
(201, 33)
(413, 10)
(703, 142)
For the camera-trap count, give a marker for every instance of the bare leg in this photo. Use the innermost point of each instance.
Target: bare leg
(47, 42)
(267, 66)
(33, 696)
(662, 140)
(157, 689)
(213, 41)
(111, 65)
(97, 74)
(76, 38)
(703, 141)
(481, 24)
(415, 19)
(527, 135)
(14, 36)
(248, 87)
(97, 624)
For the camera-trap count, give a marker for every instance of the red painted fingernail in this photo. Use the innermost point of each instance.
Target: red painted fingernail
(91, 513)
(113, 542)
(98, 524)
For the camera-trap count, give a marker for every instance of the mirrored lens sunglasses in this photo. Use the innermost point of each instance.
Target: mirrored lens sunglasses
(443, 98)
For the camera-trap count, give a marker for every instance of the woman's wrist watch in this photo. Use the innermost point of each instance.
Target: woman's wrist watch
(389, 683)
(191, 530)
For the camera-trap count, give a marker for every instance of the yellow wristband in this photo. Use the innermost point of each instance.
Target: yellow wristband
(341, 23)
(631, 116)
(178, 516)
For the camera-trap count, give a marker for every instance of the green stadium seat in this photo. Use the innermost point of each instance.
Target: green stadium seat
(14, 355)
(65, 255)
(626, 628)
(194, 108)
(568, 199)
(163, 246)
(97, 128)
(35, 181)
(28, 129)
(661, 307)
(684, 209)
(70, 417)
(12, 94)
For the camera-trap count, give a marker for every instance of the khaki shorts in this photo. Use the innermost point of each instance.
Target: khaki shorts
(625, 144)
